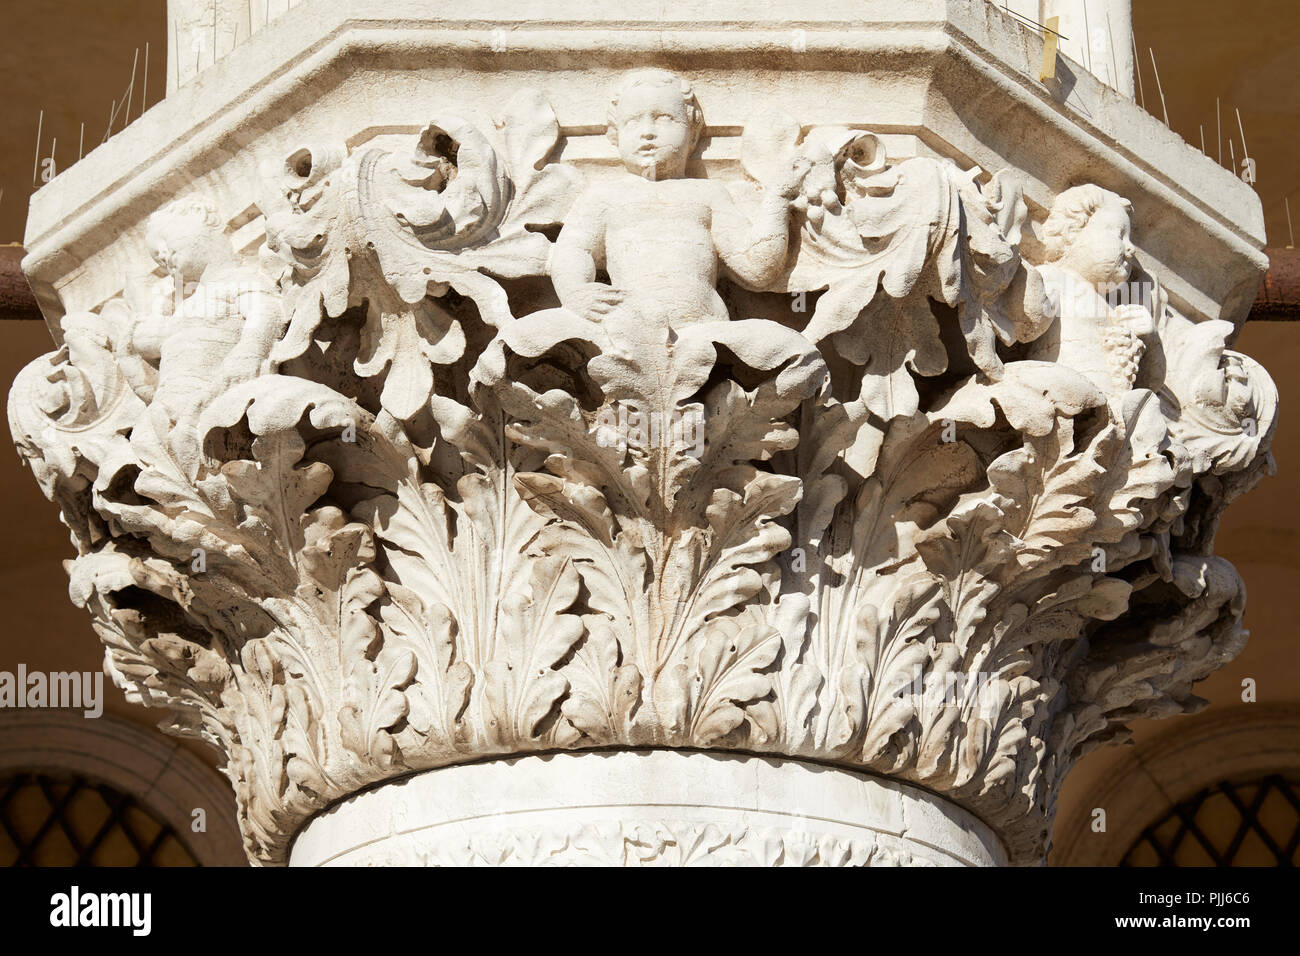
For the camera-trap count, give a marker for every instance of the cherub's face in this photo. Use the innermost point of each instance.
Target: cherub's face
(182, 247)
(654, 131)
(1102, 251)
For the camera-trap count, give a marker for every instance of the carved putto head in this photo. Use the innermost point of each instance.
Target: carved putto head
(185, 238)
(355, 527)
(1088, 232)
(655, 121)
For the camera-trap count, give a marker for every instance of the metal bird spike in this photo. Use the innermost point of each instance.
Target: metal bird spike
(1137, 68)
(130, 89)
(1044, 27)
(1087, 38)
(1290, 231)
(1245, 151)
(1110, 41)
(1159, 87)
(36, 163)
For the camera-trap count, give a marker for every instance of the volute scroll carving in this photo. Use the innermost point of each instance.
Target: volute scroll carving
(493, 453)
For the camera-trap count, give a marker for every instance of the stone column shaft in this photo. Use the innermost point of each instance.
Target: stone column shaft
(1099, 35)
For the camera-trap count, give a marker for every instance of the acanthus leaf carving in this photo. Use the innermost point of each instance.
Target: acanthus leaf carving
(441, 482)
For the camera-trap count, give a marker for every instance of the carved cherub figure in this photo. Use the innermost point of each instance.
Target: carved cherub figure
(1098, 331)
(660, 236)
(222, 322)
(663, 240)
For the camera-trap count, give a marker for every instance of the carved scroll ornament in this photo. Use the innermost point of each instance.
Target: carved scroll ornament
(480, 459)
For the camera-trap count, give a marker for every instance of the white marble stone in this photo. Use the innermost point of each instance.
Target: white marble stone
(724, 378)
(645, 808)
(1098, 35)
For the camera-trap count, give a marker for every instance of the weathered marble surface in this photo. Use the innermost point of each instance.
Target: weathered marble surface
(492, 436)
(645, 808)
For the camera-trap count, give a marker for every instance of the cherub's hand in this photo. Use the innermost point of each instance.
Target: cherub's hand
(1135, 318)
(593, 300)
(810, 188)
(1124, 351)
(790, 185)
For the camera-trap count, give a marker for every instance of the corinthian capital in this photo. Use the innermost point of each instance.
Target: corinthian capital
(478, 435)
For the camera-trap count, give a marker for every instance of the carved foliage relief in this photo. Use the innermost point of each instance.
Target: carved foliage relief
(485, 455)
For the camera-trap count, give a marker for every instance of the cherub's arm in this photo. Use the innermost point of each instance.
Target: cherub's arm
(580, 247)
(579, 251)
(264, 324)
(1032, 302)
(147, 334)
(755, 252)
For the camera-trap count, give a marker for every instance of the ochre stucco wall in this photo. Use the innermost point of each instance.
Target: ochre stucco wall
(73, 58)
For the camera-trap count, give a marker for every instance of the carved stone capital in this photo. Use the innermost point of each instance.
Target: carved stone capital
(488, 446)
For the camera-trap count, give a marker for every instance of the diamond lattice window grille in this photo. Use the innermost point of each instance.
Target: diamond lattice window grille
(62, 820)
(1256, 823)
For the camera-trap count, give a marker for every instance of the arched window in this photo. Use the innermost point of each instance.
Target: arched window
(71, 820)
(1256, 823)
(1218, 789)
(108, 792)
